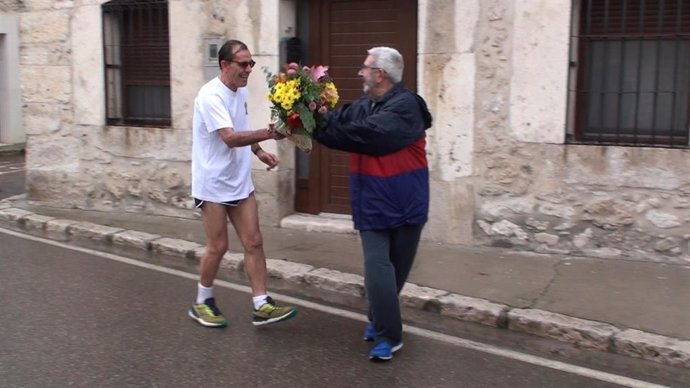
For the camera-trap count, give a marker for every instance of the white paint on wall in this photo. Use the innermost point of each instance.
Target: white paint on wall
(11, 130)
(454, 119)
(186, 21)
(446, 74)
(87, 66)
(538, 88)
(466, 19)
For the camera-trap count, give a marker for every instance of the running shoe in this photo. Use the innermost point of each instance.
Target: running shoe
(383, 351)
(270, 313)
(207, 314)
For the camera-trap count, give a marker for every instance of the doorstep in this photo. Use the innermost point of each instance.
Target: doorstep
(322, 222)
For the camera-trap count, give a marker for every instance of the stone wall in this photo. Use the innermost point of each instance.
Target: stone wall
(74, 160)
(523, 187)
(494, 72)
(595, 201)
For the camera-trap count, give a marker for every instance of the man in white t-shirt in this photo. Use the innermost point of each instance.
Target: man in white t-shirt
(222, 147)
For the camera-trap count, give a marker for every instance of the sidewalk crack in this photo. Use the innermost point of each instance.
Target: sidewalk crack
(547, 288)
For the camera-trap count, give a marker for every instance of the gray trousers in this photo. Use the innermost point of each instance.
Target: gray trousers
(388, 258)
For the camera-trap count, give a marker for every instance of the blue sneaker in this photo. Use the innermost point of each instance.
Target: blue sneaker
(369, 332)
(384, 351)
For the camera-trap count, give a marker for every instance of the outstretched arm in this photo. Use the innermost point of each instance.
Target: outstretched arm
(245, 138)
(389, 129)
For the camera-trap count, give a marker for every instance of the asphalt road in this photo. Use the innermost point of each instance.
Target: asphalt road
(78, 318)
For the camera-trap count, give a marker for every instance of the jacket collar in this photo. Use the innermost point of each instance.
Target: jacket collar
(397, 88)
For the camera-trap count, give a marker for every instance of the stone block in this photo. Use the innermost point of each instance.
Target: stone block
(198, 253)
(232, 261)
(283, 269)
(661, 349)
(134, 239)
(420, 297)
(58, 229)
(472, 309)
(35, 222)
(41, 118)
(579, 332)
(46, 84)
(11, 216)
(57, 53)
(337, 281)
(309, 223)
(91, 231)
(174, 247)
(54, 153)
(47, 26)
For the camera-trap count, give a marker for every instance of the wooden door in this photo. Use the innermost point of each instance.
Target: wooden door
(341, 32)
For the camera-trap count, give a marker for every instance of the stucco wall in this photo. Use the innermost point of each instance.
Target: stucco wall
(494, 73)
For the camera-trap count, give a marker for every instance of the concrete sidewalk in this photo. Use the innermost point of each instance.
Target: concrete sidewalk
(631, 308)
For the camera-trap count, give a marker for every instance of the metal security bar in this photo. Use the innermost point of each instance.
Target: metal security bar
(137, 62)
(633, 73)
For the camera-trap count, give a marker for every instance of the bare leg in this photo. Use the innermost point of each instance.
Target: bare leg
(216, 227)
(245, 219)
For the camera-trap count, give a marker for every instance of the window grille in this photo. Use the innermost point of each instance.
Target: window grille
(137, 62)
(632, 69)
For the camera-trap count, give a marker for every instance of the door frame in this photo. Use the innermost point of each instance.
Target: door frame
(311, 193)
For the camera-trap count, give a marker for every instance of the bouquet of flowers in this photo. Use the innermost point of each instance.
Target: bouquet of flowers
(301, 97)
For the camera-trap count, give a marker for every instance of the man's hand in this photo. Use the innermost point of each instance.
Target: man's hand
(275, 135)
(268, 158)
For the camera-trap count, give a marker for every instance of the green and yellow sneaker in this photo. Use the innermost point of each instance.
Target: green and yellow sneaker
(207, 314)
(270, 313)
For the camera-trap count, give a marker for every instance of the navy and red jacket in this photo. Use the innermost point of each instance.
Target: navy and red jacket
(389, 174)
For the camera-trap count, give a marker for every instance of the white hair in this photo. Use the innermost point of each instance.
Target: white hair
(389, 60)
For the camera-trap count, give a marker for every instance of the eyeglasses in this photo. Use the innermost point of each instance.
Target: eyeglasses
(363, 66)
(244, 64)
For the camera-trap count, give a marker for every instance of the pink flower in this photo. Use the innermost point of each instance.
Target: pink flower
(318, 72)
(312, 106)
(293, 65)
(292, 71)
(323, 109)
(306, 68)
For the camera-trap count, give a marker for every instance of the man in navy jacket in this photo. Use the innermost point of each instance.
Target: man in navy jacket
(384, 131)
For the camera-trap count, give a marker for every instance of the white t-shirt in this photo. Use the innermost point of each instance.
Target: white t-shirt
(220, 173)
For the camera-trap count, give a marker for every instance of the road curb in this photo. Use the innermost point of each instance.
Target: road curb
(579, 332)
(576, 331)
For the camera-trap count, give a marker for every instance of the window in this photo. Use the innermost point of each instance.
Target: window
(632, 67)
(137, 62)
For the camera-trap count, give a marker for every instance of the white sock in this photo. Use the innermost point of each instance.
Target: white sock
(203, 293)
(259, 301)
